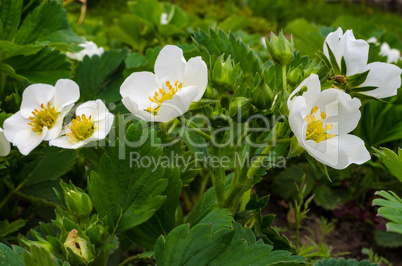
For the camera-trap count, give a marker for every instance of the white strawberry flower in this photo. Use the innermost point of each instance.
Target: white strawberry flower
(90, 49)
(4, 144)
(168, 93)
(393, 55)
(41, 115)
(322, 121)
(383, 77)
(93, 122)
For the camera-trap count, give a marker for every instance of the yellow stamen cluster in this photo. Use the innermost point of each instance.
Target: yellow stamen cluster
(81, 129)
(315, 129)
(162, 96)
(45, 117)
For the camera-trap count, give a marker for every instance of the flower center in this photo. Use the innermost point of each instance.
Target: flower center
(45, 117)
(162, 96)
(315, 129)
(81, 129)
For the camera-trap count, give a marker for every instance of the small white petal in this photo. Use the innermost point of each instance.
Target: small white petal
(355, 53)
(296, 119)
(341, 110)
(164, 19)
(178, 105)
(336, 44)
(14, 124)
(103, 127)
(196, 74)
(170, 64)
(328, 152)
(386, 77)
(96, 109)
(26, 140)
(135, 109)
(372, 40)
(65, 143)
(90, 49)
(354, 148)
(4, 144)
(35, 95)
(55, 131)
(313, 88)
(66, 92)
(139, 86)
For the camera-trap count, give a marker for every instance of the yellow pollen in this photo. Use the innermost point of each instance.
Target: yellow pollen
(315, 129)
(161, 95)
(81, 129)
(45, 117)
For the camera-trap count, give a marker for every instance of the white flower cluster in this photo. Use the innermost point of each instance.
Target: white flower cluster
(42, 113)
(322, 120)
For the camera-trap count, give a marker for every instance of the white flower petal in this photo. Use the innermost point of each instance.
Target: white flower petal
(386, 77)
(313, 88)
(135, 109)
(55, 131)
(336, 44)
(65, 143)
(354, 148)
(355, 53)
(90, 49)
(296, 118)
(14, 124)
(35, 95)
(4, 144)
(341, 110)
(139, 86)
(196, 74)
(66, 93)
(328, 152)
(103, 127)
(97, 110)
(170, 64)
(178, 105)
(26, 140)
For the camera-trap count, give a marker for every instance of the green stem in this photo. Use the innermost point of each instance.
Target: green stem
(176, 122)
(297, 221)
(199, 132)
(257, 163)
(284, 79)
(245, 199)
(135, 258)
(279, 141)
(37, 200)
(12, 192)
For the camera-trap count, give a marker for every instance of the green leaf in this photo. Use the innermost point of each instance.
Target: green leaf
(234, 23)
(343, 262)
(135, 60)
(388, 239)
(391, 160)
(164, 219)
(8, 70)
(47, 66)
(148, 10)
(194, 141)
(39, 256)
(10, 14)
(10, 256)
(7, 228)
(391, 209)
(94, 71)
(306, 36)
(46, 24)
(295, 148)
(356, 80)
(9, 49)
(127, 188)
(217, 42)
(54, 163)
(200, 245)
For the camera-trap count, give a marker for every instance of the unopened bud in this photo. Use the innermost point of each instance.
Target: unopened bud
(76, 200)
(79, 246)
(240, 107)
(281, 49)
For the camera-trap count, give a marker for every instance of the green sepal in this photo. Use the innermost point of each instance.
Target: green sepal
(357, 79)
(295, 148)
(332, 59)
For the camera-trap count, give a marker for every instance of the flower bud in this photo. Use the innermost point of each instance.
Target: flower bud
(225, 74)
(294, 77)
(261, 94)
(79, 246)
(240, 108)
(281, 49)
(76, 200)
